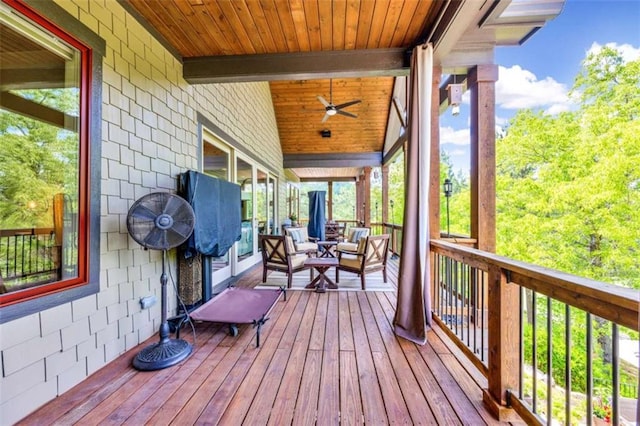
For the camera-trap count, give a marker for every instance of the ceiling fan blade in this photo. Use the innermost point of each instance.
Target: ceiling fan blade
(324, 101)
(325, 118)
(348, 114)
(346, 104)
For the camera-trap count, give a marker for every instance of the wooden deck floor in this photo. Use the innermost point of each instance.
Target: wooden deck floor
(324, 359)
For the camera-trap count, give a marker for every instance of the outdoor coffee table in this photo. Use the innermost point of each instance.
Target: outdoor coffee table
(326, 248)
(322, 265)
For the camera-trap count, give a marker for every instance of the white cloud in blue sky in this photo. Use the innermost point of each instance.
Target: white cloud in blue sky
(518, 88)
(448, 135)
(628, 52)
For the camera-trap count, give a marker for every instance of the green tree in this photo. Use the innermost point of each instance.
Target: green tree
(573, 180)
(568, 196)
(396, 190)
(37, 160)
(459, 202)
(344, 200)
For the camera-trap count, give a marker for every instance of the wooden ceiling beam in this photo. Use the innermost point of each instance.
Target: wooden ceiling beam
(328, 179)
(297, 161)
(32, 78)
(297, 66)
(37, 111)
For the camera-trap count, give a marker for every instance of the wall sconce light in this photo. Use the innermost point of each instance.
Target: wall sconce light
(448, 190)
(454, 95)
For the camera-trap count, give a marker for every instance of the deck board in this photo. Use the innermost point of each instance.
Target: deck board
(409, 386)
(372, 402)
(324, 359)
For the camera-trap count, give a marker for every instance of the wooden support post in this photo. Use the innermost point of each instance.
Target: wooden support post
(330, 200)
(58, 230)
(358, 205)
(385, 193)
(434, 174)
(503, 343)
(481, 81)
(366, 196)
(434, 166)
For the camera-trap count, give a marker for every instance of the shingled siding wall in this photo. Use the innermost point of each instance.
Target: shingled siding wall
(150, 135)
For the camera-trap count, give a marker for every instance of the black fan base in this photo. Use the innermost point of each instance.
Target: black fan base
(161, 355)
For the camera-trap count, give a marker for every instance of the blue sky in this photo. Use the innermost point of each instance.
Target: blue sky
(540, 73)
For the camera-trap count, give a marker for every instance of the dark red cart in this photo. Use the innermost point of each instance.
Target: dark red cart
(235, 306)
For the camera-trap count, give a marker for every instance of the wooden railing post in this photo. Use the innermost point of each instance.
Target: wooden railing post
(58, 229)
(503, 359)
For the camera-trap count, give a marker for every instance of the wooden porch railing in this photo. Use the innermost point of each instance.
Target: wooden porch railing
(395, 233)
(487, 302)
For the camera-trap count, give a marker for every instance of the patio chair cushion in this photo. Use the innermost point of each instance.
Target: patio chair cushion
(300, 238)
(353, 247)
(291, 247)
(298, 260)
(350, 260)
(307, 246)
(356, 233)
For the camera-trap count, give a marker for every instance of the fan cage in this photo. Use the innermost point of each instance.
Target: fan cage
(160, 221)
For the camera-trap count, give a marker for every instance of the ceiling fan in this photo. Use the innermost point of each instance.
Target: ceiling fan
(331, 109)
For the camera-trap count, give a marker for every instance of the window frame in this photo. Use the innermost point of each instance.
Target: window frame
(91, 48)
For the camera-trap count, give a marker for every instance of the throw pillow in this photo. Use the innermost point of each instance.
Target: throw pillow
(362, 245)
(357, 234)
(296, 235)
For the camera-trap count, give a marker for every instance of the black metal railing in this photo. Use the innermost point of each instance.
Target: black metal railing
(460, 300)
(547, 341)
(28, 257)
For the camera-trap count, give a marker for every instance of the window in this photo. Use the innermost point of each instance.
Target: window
(44, 141)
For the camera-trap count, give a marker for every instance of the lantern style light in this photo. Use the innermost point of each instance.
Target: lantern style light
(448, 190)
(454, 95)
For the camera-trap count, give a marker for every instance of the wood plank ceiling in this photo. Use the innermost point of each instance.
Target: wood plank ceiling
(213, 28)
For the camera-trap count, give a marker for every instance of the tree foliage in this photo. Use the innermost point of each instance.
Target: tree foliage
(568, 197)
(459, 203)
(568, 186)
(37, 161)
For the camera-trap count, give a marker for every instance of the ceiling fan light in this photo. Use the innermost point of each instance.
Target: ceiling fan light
(331, 112)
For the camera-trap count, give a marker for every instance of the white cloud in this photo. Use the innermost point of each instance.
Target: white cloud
(448, 135)
(457, 153)
(501, 121)
(628, 52)
(518, 88)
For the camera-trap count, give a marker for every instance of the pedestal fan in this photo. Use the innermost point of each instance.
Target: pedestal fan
(161, 221)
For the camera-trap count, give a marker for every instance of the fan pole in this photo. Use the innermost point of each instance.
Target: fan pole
(164, 326)
(168, 351)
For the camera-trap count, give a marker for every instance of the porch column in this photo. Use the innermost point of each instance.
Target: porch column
(385, 193)
(330, 200)
(481, 81)
(502, 301)
(358, 205)
(434, 178)
(366, 196)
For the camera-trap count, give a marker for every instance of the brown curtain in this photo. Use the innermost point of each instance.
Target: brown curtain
(414, 300)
